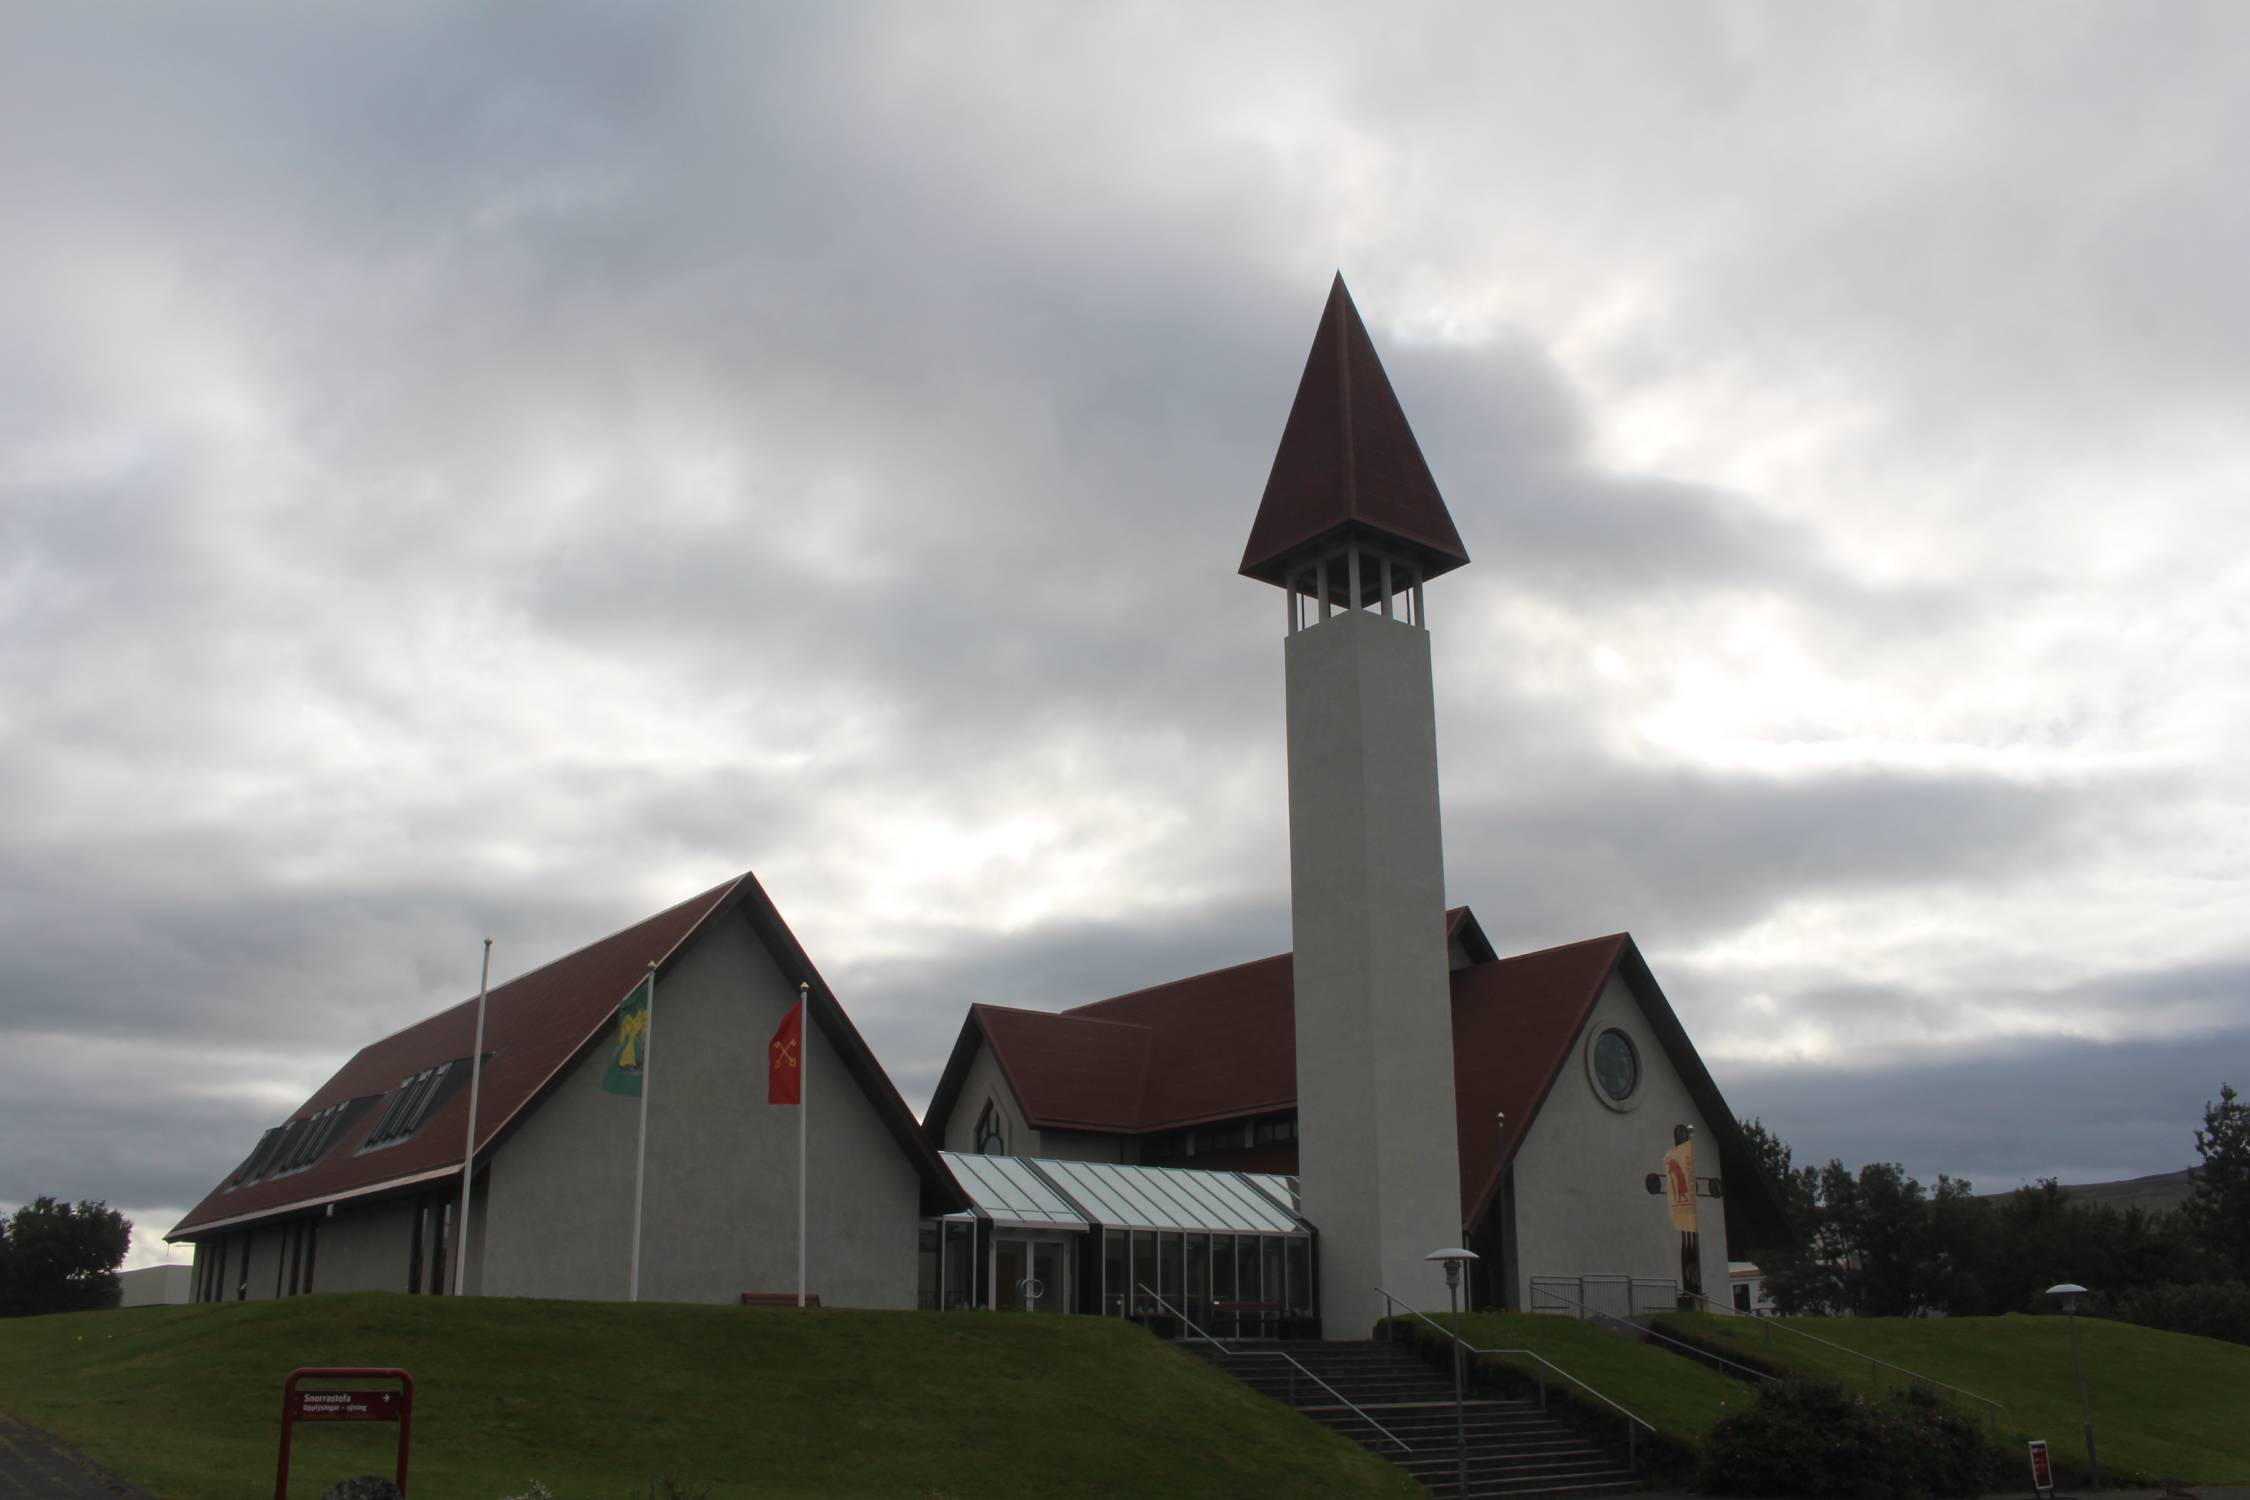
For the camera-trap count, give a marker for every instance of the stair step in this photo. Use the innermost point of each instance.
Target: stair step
(1514, 1449)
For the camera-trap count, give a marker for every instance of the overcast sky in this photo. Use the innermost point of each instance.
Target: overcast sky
(504, 469)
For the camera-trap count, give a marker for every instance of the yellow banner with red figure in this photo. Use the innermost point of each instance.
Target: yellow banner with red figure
(1679, 1185)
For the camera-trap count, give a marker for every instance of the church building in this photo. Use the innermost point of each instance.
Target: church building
(1273, 1147)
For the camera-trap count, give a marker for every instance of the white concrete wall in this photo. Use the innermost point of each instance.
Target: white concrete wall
(986, 1081)
(1580, 1204)
(720, 1215)
(156, 1286)
(1378, 1168)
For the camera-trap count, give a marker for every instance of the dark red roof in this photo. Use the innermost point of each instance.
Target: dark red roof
(1070, 1071)
(1223, 1046)
(536, 1025)
(1348, 461)
(1220, 1044)
(533, 1025)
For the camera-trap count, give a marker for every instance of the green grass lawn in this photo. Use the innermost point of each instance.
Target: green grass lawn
(1676, 1395)
(599, 1399)
(2164, 1405)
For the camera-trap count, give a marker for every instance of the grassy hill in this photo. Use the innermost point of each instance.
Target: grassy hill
(2164, 1405)
(599, 1399)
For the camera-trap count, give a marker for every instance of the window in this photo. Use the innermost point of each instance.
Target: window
(1274, 1130)
(992, 1135)
(414, 1100)
(1613, 1067)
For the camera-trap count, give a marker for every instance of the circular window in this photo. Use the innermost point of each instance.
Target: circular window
(1615, 1064)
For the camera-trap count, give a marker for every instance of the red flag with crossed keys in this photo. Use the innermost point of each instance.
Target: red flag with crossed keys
(785, 1079)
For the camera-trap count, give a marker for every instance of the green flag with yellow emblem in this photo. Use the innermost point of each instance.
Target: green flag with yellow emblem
(628, 1065)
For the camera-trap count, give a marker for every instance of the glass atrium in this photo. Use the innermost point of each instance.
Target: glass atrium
(1224, 1251)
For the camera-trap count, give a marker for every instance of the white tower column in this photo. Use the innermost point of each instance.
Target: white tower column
(1378, 1160)
(1350, 526)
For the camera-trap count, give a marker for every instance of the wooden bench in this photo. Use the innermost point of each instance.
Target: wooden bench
(778, 1299)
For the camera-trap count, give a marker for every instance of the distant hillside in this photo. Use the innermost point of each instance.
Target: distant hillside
(2163, 1191)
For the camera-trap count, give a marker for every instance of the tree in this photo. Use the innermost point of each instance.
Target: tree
(1798, 1189)
(55, 1257)
(2218, 1211)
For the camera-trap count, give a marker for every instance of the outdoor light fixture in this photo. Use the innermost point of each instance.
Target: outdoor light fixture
(2070, 1292)
(1453, 1260)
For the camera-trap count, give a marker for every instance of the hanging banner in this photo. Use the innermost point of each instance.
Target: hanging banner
(1679, 1185)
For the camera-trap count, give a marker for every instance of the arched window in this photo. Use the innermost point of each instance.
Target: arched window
(992, 1137)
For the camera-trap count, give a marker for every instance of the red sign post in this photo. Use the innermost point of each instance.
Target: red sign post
(2042, 1472)
(345, 1406)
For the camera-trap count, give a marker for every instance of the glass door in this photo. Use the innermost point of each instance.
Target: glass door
(1050, 1276)
(1030, 1275)
(1011, 1270)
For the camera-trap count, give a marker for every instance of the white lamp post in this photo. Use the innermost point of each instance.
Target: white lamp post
(1453, 1260)
(2070, 1292)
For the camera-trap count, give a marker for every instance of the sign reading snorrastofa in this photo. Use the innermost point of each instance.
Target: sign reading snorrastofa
(2042, 1471)
(301, 1405)
(346, 1406)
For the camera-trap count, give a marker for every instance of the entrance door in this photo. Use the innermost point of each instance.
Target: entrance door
(1030, 1275)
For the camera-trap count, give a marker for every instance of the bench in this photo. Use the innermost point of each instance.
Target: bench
(778, 1299)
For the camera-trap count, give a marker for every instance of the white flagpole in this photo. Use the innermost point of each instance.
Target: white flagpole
(469, 1151)
(804, 1104)
(640, 1158)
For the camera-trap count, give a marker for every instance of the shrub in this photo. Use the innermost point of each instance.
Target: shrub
(2212, 1310)
(1812, 1440)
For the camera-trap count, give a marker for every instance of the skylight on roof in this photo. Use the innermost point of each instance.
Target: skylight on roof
(417, 1097)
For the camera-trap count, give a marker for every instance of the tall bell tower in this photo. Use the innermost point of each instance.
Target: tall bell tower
(1351, 529)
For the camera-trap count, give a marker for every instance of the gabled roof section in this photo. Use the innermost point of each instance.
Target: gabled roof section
(1514, 1023)
(1516, 1026)
(1220, 1044)
(536, 1026)
(1070, 1072)
(1223, 1046)
(1348, 461)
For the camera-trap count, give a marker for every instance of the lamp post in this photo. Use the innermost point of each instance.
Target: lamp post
(2070, 1292)
(1453, 1260)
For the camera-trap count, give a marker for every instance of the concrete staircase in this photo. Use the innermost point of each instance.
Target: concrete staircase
(1514, 1448)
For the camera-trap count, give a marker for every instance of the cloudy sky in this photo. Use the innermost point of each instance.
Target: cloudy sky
(504, 469)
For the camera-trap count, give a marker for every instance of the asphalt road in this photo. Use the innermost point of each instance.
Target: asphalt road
(36, 1466)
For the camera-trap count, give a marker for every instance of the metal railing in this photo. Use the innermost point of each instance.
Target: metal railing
(1993, 1409)
(1665, 1295)
(1637, 1330)
(1392, 1305)
(1222, 1346)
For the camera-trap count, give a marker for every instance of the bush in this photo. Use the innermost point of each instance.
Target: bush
(1812, 1440)
(2212, 1310)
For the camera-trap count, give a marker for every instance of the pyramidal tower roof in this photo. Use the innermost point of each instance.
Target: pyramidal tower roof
(1348, 461)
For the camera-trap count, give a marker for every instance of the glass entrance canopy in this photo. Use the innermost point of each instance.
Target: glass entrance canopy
(1223, 1252)
(1020, 1191)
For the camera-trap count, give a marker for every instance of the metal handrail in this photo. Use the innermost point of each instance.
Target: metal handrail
(1993, 1409)
(1687, 1348)
(1188, 1322)
(1631, 1452)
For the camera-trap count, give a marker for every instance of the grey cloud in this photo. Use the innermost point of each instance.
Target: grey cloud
(2004, 1114)
(888, 393)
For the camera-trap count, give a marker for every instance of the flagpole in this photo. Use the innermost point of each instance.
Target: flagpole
(804, 1098)
(469, 1151)
(640, 1157)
